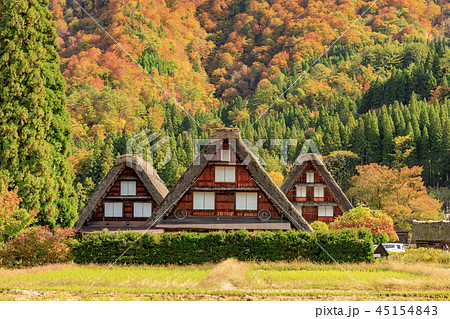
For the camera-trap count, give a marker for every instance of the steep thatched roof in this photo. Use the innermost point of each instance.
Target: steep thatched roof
(431, 230)
(260, 176)
(300, 163)
(144, 170)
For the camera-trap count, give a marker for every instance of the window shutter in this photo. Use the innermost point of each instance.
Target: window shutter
(137, 210)
(241, 201)
(128, 188)
(318, 191)
(330, 211)
(225, 156)
(220, 174)
(118, 209)
(301, 191)
(252, 201)
(109, 209)
(199, 199)
(209, 200)
(147, 210)
(230, 174)
(322, 211)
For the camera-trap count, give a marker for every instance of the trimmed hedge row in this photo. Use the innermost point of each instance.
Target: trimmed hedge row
(183, 248)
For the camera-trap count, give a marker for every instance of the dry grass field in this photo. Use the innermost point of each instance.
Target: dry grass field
(230, 280)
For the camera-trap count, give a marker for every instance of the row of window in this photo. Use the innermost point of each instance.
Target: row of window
(244, 201)
(139, 209)
(318, 191)
(323, 211)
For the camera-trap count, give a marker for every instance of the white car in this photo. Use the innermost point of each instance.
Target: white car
(395, 247)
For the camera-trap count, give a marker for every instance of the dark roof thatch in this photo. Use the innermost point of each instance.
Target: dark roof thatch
(300, 163)
(144, 170)
(431, 230)
(260, 176)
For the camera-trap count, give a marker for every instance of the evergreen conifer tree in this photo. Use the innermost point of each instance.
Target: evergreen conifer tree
(34, 123)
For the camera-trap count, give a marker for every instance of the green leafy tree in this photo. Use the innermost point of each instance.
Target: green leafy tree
(34, 123)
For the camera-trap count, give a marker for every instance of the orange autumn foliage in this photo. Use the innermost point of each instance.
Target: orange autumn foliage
(400, 193)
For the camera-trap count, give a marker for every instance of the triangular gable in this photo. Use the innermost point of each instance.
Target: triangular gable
(260, 177)
(299, 165)
(144, 171)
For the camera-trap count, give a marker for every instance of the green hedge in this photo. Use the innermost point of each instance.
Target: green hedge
(350, 245)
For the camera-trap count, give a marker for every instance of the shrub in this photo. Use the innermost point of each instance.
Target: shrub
(319, 226)
(13, 219)
(181, 248)
(376, 222)
(37, 246)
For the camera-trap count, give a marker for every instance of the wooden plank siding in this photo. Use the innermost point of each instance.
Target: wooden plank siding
(113, 195)
(310, 213)
(225, 200)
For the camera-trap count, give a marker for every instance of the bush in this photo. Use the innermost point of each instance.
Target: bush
(37, 246)
(13, 219)
(376, 222)
(196, 248)
(319, 226)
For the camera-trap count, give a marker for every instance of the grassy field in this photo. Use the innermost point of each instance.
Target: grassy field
(230, 280)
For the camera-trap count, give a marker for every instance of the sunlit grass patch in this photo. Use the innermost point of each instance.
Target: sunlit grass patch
(126, 276)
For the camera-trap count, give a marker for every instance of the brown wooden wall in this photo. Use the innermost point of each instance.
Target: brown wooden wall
(127, 174)
(310, 213)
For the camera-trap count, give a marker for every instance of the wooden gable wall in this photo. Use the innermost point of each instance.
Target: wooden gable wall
(113, 195)
(310, 213)
(225, 192)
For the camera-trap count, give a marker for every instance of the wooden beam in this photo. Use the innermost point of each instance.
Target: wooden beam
(314, 204)
(240, 189)
(127, 198)
(311, 184)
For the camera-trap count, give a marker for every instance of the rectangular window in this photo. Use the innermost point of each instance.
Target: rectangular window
(246, 201)
(301, 191)
(142, 210)
(326, 211)
(310, 177)
(113, 209)
(318, 191)
(299, 209)
(225, 155)
(128, 188)
(204, 200)
(225, 174)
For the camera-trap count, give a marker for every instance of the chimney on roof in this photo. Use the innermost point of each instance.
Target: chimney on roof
(226, 133)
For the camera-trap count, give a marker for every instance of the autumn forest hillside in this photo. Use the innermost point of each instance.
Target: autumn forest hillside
(381, 91)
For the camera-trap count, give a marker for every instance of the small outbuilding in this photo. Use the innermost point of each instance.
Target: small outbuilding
(313, 191)
(125, 199)
(431, 234)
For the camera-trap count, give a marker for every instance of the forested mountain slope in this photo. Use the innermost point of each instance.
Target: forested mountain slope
(227, 61)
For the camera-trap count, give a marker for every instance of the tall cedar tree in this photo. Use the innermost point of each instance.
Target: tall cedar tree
(34, 123)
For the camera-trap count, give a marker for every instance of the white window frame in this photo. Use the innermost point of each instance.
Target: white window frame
(225, 155)
(246, 201)
(225, 174)
(142, 209)
(319, 191)
(113, 209)
(325, 211)
(203, 201)
(128, 188)
(310, 177)
(300, 191)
